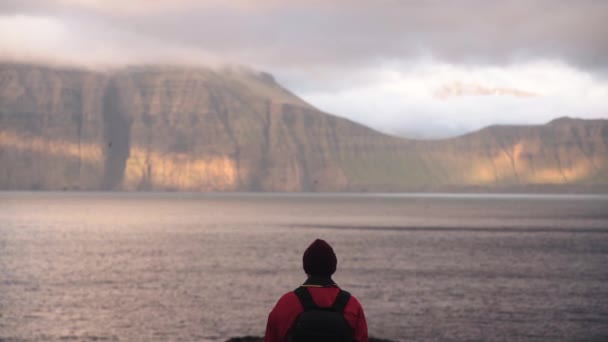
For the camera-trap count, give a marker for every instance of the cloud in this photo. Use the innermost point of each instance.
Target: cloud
(302, 34)
(402, 100)
(385, 63)
(142, 8)
(87, 43)
(19, 41)
(457, 89)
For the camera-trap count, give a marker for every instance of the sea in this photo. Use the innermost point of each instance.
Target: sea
(207, 267)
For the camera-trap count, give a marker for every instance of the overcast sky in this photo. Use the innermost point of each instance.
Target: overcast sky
(418, 68)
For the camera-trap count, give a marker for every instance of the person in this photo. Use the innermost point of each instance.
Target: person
(319, 262)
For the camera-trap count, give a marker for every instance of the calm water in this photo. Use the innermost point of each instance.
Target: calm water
(141, 267)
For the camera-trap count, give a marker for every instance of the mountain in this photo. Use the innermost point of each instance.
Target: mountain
(235, 129)
(563, 152)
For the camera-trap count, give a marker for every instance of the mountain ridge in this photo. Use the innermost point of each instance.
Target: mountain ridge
(200, 129)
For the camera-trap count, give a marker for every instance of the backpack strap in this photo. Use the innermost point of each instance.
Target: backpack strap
(305, 298)
(341, 301)
(308, 303)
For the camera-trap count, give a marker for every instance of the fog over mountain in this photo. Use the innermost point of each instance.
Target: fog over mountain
(236, 129)
(379, 63)
(302, 96)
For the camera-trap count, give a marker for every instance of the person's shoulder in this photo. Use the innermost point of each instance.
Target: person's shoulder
(288, 299)
(354, 302)
(288, 305)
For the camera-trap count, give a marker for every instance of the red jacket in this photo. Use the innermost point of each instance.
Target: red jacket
(288, 308)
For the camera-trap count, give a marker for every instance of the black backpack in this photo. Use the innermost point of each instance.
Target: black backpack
(321, 324)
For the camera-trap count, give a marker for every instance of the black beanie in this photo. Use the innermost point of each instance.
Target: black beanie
(319, 259)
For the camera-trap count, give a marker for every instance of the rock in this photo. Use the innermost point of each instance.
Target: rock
(261, 339)
(199, 129)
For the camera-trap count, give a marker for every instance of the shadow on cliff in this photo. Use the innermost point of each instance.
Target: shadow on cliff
(116, 129)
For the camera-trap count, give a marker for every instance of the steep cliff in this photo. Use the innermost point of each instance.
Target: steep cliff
(564, 151)
(196, 129)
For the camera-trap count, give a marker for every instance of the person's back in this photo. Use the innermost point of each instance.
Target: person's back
(321, 323)
(297, 316)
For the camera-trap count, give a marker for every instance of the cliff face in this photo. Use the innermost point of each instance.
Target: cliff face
(169, 128)
(564, 151)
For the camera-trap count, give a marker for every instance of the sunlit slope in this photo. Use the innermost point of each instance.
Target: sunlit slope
(168, 128)
(564, 151)
(196, 129)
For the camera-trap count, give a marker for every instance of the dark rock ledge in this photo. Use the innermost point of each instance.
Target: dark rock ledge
(261, 339)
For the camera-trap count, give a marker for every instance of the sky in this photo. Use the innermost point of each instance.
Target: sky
(424, 69)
